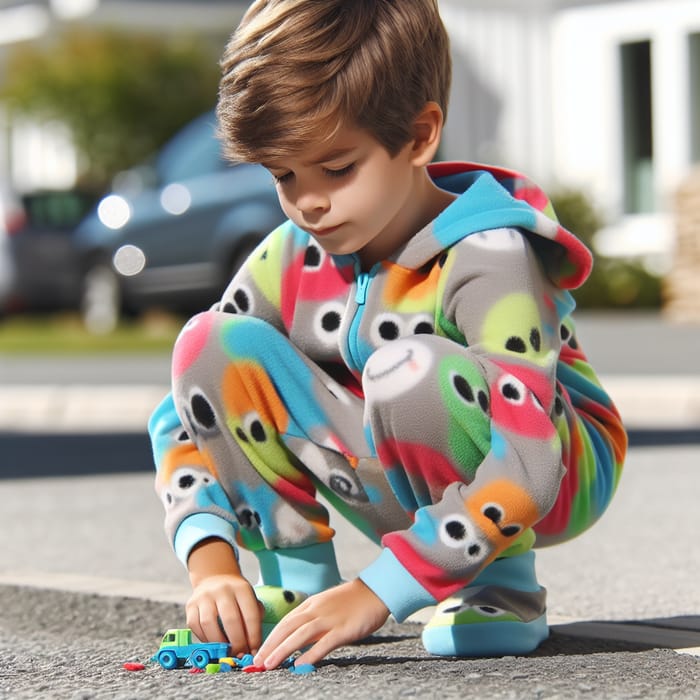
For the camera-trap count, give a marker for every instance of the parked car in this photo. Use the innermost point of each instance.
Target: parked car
(47, 268)
(173, 232)
(10, 218)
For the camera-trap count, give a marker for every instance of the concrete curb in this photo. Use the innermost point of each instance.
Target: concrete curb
(645, 401)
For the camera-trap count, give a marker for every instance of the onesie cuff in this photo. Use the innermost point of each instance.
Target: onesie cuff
(198, 527)
(387, 577)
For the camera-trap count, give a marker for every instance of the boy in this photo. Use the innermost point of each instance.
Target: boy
(402, 345)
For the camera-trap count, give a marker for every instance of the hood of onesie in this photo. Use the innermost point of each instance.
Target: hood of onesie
(492, 198)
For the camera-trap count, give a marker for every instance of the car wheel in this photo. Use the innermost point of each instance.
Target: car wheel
(101, 299)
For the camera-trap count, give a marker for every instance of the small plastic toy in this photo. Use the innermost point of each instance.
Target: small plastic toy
(302, 669)
(133, 666)
(178, 650)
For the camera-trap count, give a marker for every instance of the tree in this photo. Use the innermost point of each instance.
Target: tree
(122, 95)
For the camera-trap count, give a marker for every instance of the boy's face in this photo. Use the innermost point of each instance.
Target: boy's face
(350, 194)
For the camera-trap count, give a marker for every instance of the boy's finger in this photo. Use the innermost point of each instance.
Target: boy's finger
(290, 639)
(234, 626)
(209, 623)
(243, 625)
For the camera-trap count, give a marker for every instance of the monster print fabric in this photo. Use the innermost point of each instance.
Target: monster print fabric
(439, 400)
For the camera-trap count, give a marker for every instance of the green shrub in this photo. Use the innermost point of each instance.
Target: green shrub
(614, 283)
(122, 95)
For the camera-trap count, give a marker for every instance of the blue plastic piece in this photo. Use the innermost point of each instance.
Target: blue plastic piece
(302, 669)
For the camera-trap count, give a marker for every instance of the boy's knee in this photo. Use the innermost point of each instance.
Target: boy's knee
(213, 333)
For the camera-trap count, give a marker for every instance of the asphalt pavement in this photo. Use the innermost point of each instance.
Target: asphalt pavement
(87, 581)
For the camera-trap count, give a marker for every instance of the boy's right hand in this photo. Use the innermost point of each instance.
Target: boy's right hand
(223, 607)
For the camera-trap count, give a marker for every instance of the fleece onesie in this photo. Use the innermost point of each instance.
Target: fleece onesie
(440, 401)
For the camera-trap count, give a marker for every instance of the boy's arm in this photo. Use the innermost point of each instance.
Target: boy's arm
(499, 302)
(323, 622)
(416, 568)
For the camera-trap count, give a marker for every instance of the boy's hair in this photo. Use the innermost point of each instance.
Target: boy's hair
(295, 70)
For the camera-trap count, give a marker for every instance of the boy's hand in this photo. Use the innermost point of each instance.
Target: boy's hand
(326, 621)
(231, 599)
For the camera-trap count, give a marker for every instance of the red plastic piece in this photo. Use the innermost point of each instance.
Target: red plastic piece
(194, 669)
(254, 669)
(133, 666)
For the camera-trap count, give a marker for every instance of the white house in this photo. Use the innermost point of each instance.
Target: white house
(601, 96)
(598, 95)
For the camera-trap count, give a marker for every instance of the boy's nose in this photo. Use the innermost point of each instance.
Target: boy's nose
(311, 202)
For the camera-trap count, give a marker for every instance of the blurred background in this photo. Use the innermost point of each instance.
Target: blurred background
(118, 216)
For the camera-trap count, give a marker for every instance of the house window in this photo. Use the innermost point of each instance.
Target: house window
(694, 73)
(635, 63)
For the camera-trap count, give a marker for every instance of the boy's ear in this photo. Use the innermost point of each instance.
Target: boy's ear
(427, 131)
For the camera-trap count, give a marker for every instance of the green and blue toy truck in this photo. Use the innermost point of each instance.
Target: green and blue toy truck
(178, 650)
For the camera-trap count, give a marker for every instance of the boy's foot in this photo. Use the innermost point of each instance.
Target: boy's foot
(502, 613)
(277, 602)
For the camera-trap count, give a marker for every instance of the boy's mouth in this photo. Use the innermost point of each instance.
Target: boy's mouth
(323, 231)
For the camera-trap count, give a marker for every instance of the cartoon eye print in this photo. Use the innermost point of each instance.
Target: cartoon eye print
(185, 481)
(512, 389)
(341, 481)
(518, 344)
(326, 323)
(385, 328)
(238, 301)
(421, 324)
(201, 413)
(454, 530)
(485, 610)
(466, 393)
(567, 337)
(495, 513)
(346, 487)
(455, 533)
(248, 518)
(388, 326)
(313, 257)
(251, 429)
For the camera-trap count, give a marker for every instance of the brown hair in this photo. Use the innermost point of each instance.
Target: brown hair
(294, 70)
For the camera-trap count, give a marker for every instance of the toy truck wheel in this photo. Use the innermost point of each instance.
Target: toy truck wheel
(167, 659)
(200, 658)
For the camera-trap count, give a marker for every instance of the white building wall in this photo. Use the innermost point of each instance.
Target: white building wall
(545, 83)
(587, 105)
(499, 111)
(587, 113)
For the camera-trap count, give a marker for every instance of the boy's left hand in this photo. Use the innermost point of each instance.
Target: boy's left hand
(326, 621)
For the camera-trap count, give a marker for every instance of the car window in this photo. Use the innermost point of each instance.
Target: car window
(60, 210)
(194, 151)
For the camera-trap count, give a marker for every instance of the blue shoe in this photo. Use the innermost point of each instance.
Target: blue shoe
(501, 613)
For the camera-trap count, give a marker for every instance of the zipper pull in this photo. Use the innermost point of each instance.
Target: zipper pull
(361, 291)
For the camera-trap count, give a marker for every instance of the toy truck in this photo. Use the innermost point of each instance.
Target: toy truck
(177, 650)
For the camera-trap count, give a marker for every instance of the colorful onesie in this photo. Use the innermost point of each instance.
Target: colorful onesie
(440, 401)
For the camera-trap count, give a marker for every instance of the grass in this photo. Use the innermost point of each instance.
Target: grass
(65, 334)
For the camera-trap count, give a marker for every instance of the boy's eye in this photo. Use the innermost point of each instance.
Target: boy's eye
(340, 172)
(281, 179)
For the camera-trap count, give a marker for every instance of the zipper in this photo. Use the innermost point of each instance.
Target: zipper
(362, 284)
(362, 281)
